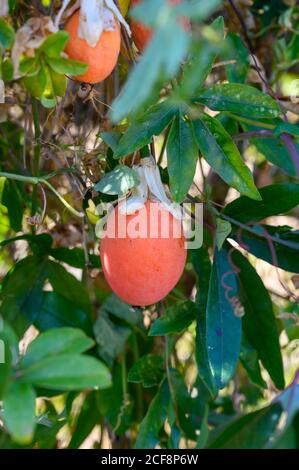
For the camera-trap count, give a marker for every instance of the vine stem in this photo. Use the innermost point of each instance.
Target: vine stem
(287, 139)
(35, 180)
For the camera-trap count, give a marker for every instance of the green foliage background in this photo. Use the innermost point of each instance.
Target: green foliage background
(215, 365)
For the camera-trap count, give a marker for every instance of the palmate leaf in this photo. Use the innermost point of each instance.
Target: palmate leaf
(143, 128)
(182, 156)
(158, 63)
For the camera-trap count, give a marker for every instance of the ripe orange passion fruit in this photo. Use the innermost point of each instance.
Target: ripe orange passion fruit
(101, 59)
(143, 269)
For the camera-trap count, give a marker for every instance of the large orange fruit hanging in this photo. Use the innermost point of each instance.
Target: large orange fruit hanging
(101, 59)
(143, 269)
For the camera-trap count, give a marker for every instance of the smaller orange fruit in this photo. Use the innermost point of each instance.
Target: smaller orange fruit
(101, 59)
(142, 34)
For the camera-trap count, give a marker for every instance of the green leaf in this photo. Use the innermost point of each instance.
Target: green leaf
(251, 431)
(148, 370)
(116, 307)
(143, 128)
(289, 400)
(286, 128)
(223, 325)
(22, 292)
(259, 322)
(29, 66)
(7, 34)
(9, 349)
(202, 56)
(236, 50)
(36, 84)
(223, 156)
(110, 338)
(148, 435)
(12, 200)
(286, 257)
(54, 342)
(19, 412)
(157, 63)
(176, 319)
(276, 199)
(202, 266)
(240, 99)
(118, 181)
(58, 83)
(74, 257)
(67, 372)
(57, 311)
(54, 44)
(68, 66)
(68, 286)
(7, 70)
(223, 229)
(250, 361)
(275, 152)
(182, 156)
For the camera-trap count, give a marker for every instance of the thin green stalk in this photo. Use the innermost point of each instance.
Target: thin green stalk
(35, 180)
(36, 153)
(138, 387)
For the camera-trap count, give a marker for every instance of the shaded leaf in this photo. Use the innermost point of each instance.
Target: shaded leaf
(276, 199)
(259, 322)
(148, 435)
(202, 265)
(223, 325)
(148, 370)
(251, 431)
(176, 319)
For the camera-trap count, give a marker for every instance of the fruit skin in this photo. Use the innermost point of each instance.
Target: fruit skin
(101, 59)
(142, 34)
(142, 271)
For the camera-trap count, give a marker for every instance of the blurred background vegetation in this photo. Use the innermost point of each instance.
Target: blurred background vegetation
(215, 365)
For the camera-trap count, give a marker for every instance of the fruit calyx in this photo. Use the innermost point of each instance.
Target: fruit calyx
(95, 17)
(150, 187)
